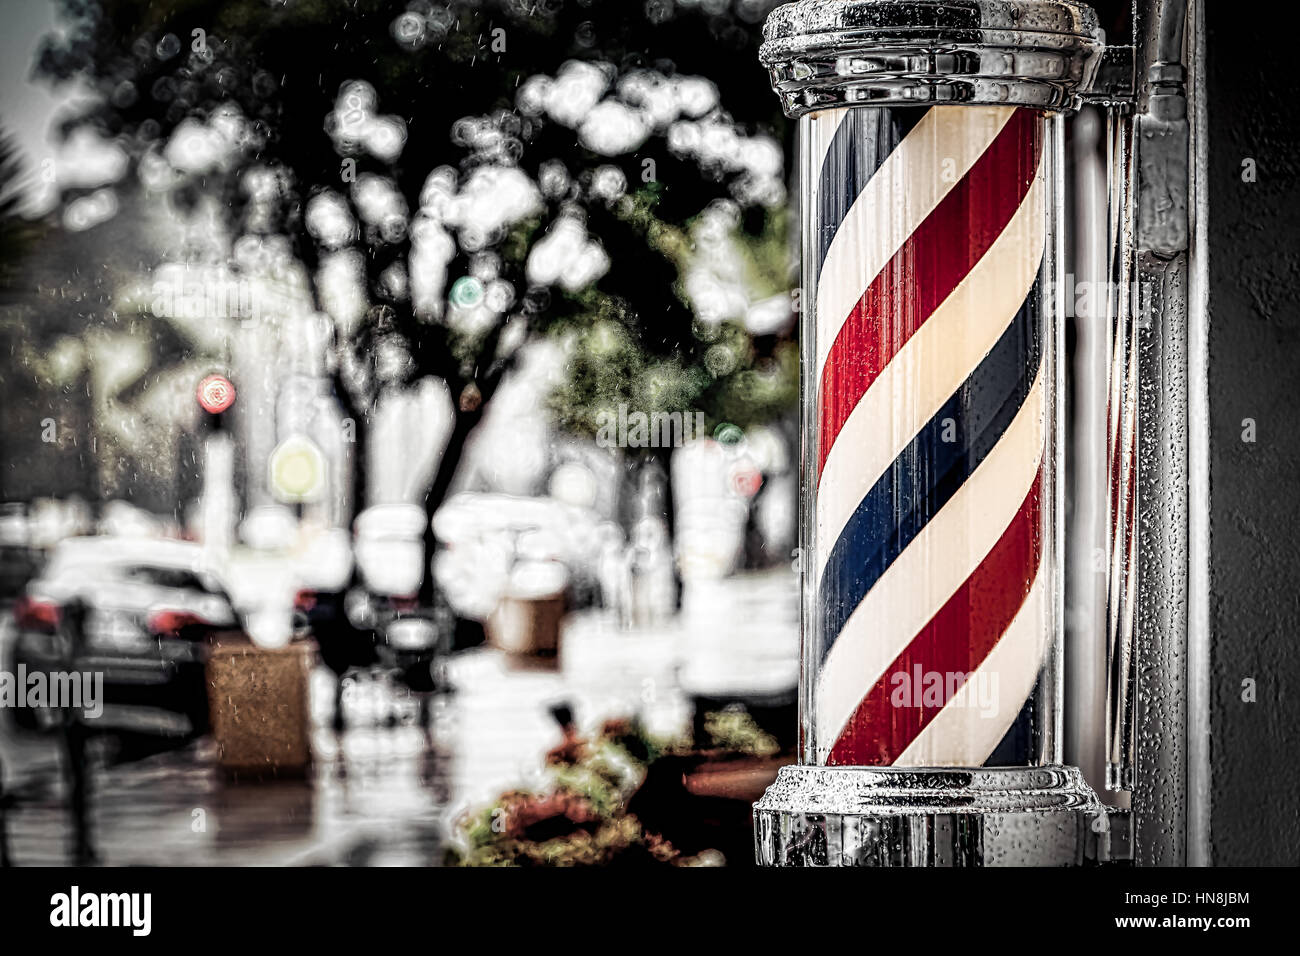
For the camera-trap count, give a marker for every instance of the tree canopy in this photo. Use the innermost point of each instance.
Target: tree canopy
(448, 179)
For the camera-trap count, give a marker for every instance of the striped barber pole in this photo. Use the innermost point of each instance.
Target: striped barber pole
(932, 616)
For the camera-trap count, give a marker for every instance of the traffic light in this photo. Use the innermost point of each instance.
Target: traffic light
(216, 394)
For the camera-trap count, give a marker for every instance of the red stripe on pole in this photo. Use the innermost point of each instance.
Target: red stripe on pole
(955, 641)
(926, 269)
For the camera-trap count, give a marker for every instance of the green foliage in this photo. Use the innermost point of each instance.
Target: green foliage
(714, 369)
(768, 256)
(580, 818)
(606, 368)
(734, 729)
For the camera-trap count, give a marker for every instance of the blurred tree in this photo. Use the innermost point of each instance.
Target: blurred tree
(453, 177)
(67, 431)
(16, 231)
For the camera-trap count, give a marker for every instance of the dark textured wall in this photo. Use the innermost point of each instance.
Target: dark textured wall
(1254, 350)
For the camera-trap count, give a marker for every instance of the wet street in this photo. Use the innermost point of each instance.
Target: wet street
(376, 795)
(384, 791)
(387, 790)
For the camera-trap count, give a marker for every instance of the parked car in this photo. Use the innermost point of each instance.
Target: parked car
(147, 607)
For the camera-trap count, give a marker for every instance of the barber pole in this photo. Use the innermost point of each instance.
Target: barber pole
(929, 144)
(931, 407)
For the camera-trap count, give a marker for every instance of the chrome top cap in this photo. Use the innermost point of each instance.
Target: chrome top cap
(829, 53)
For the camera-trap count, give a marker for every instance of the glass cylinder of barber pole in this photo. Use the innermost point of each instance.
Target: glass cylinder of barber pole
(929, 145)
(931, 620)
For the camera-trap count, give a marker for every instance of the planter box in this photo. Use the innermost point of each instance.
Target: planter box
(260, 707)
(527, 629)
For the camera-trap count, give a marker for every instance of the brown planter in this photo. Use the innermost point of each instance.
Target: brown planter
(527, 629)
(260, 707)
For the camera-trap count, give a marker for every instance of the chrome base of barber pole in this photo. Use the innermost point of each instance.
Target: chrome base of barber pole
(930, 817)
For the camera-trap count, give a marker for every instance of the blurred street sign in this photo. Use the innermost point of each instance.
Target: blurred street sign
(298, 470)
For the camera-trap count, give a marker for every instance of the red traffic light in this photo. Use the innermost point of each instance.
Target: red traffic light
(216, 393)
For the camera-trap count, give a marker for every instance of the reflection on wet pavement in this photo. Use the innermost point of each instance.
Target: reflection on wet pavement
(374, 797)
